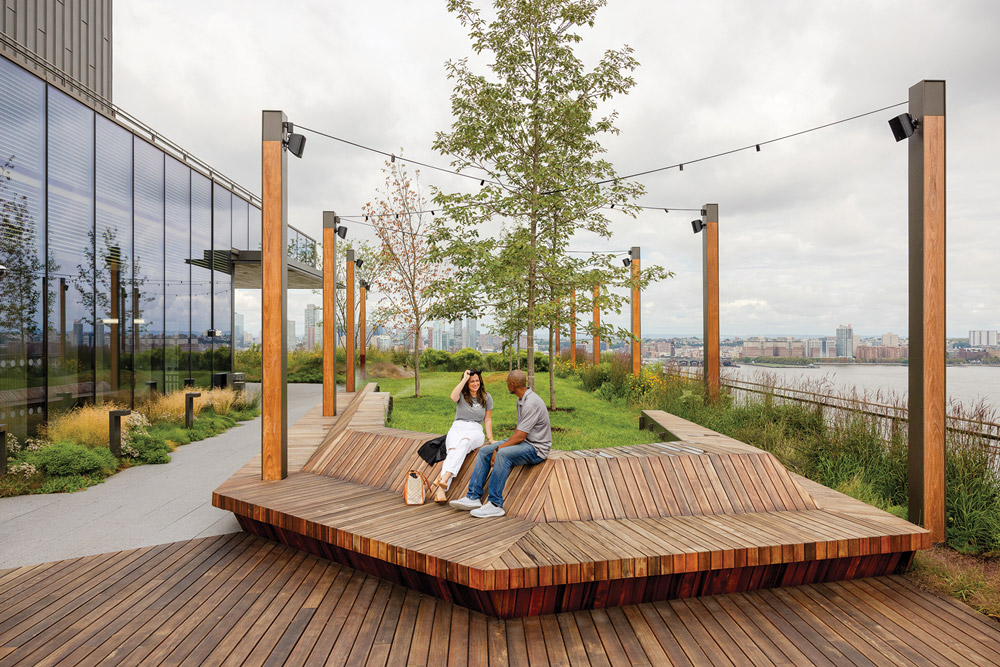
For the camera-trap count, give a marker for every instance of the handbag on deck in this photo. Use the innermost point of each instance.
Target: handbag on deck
(415, 488)
(434, 450)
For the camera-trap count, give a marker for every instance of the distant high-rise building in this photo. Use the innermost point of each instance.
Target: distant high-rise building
(292, 339)
(439, 341)
(982, 338)
(311, 332)
(890, 340)
(456, 335)
(845, 341)
(238, 333)
(469, 333)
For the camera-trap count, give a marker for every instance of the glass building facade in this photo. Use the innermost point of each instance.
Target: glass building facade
(118, 259)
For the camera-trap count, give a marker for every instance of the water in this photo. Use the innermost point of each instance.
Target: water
(964, 384)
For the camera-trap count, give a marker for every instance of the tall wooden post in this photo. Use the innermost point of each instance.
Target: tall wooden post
(597, 324)
(274, 306)
(710, 299)
(330, 222)
(572, 328)
(636, 313)
(349, 340)
(927, 308)
(362, 347)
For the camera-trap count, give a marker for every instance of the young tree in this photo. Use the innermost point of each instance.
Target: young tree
(401, 224)
(532, 126)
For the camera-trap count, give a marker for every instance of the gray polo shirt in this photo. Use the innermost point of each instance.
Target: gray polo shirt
(474, 412)
(533, 419)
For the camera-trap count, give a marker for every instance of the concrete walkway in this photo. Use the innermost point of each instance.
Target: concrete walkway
(141, 506)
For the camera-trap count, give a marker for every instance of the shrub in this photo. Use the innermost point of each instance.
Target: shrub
(466, 358)
(151, 449)
(222, 400)
(169, 407)
(68, 484)
(67, 458)
(436, 360)
(86, 425)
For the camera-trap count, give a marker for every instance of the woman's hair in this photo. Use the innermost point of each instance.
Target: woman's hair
(480, 395)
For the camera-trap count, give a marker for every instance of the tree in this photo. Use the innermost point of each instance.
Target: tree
(532, 127)
(401, 224)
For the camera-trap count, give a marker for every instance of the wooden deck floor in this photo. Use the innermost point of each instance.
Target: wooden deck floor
(239, 599)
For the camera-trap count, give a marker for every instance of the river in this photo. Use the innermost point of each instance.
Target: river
(965, 384)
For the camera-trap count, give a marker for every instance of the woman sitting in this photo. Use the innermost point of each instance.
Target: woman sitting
(473, 408)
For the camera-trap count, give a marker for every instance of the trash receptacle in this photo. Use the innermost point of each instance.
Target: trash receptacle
(220, 380)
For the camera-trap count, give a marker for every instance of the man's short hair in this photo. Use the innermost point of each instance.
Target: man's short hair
(517, 378)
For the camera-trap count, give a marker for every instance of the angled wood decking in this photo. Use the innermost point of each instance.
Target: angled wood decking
(699, 515)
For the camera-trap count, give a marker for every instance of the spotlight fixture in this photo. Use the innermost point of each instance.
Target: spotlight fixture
(627, 262)
(358, 262)
(341, 231)
(295, 143)
(697, 225)
(903, 126)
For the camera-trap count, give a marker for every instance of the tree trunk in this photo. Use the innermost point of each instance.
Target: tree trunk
(416, 363)
(552, 369)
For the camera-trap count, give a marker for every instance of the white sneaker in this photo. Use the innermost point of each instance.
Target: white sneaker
(488, 510)
(466, 504)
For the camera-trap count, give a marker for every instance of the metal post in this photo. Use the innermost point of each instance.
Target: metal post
(189, 408)
(710, 300)
(349, 338)
(188, 382)
(636, 313)
(330, 222)
(274, 306)
(927, 394)
(115, 431)
(572, 328)
(597, 324)
(3, 449)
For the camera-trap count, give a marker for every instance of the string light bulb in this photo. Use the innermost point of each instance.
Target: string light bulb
(682, 166)
(393, 159)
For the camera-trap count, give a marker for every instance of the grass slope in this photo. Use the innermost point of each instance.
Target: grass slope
(591, 422)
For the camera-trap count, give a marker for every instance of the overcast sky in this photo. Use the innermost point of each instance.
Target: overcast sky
(812, 229)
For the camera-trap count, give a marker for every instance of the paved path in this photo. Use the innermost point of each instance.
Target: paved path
(141, 506)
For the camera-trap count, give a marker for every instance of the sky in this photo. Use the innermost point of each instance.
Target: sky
(813, 230)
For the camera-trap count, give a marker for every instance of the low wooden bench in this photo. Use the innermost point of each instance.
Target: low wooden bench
(700, 514)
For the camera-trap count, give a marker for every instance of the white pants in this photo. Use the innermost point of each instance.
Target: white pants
(462, 438)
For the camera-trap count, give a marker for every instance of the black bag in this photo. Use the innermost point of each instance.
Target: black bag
(434, 450)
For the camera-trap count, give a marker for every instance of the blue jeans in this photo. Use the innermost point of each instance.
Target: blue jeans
(507, 458)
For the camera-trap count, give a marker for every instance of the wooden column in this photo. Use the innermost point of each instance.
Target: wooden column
(636, 314)
(330, 222)
(597, 324)
(274, 307)
(710, 299)
(362, 347)
(927, 395)
(349, 340)
(572, 328)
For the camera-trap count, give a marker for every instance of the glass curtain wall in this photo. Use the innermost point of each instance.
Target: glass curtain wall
(177, 285)
(117, 260)
(112, 295)
(147, 271)
(201, 280)
(222, 283)
(70, 254)
(22, 248)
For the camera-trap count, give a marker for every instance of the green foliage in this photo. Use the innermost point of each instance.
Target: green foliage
(436, 360)
(69, 483)
(972, 499)
(151, 449)
(466, 358)
(68, 458)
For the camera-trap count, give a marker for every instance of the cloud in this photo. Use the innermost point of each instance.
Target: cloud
(813, 230)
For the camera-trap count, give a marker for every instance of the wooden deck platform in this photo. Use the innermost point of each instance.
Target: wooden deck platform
(702, 514)
(241, 600)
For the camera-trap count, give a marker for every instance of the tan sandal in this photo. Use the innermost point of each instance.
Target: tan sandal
(440, 493)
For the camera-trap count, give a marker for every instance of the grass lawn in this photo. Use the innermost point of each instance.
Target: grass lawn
(586, 423)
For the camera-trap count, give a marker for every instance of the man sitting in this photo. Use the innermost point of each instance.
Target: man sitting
(530, 444)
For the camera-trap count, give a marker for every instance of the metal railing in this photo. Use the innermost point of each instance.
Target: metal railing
(304, 248)
(127, 120)
(959, 424)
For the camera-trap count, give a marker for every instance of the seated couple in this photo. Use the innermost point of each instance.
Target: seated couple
(530, 444)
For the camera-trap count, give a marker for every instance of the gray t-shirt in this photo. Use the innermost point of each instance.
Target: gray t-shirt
(533, 419)
(474, 412)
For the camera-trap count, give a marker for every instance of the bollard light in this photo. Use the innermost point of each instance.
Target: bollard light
(189, 408)
(115, 431)
(3, 449)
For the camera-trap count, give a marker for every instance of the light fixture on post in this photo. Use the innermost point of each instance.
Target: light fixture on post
(903, 126)
(710, 299)
(358, 262)
(697, 225)
(294, 143)
(627, 262)
(349, 327)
